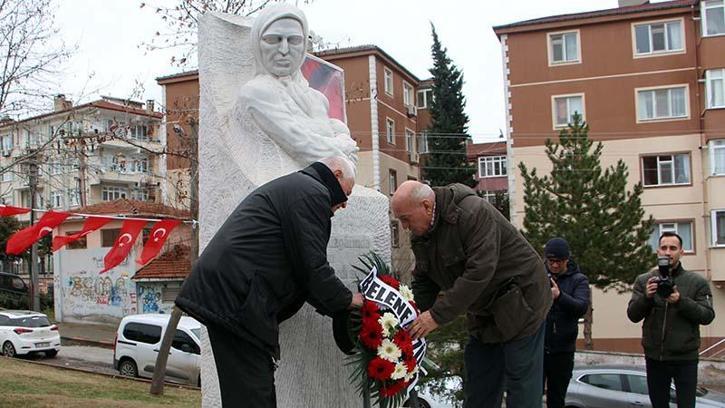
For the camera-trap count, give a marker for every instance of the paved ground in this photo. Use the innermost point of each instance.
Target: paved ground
(95, 359)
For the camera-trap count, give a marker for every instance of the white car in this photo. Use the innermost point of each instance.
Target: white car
(137, 344)
(23, 332)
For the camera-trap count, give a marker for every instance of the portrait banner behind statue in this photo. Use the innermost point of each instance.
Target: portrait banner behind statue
(255, 127)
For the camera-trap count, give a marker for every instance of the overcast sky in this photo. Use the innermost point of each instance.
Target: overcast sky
(109, 60)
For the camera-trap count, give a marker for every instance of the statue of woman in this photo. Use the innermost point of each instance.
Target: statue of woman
(284, 122)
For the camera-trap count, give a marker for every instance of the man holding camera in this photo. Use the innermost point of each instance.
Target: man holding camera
(673, 303)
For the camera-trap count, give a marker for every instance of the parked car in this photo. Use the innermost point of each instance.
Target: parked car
(23, 332)
(137, 344)
(13, 291)
(622, 386)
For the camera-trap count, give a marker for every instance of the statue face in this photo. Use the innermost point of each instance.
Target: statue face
(282, 47)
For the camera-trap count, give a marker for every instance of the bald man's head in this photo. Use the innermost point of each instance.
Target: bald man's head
(413, 204)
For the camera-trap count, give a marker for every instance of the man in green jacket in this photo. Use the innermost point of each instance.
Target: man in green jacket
(671, 329)
(470, 259)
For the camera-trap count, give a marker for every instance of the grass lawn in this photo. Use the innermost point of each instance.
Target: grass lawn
(28, 385)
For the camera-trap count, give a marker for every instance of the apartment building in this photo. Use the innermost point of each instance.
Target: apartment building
(383, 103)
(98, 151)
(491, 168)
(648, 78)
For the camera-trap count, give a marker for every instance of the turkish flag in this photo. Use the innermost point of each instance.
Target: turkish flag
(7, 210)
(91, 224)
(124, 243)
(23, 239)
(157, 237)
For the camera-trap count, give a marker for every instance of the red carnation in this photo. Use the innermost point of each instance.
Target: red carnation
(370, 310)
(403, 340)
(371, 337)
(380, 369)
(390, 281)
(392, 389)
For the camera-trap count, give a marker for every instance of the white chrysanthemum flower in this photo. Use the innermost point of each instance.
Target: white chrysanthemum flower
(389, 351)
(389, 322)
(406, 293)
(409, 376)
(400, 371)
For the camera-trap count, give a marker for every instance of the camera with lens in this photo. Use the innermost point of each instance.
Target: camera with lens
(665, 286)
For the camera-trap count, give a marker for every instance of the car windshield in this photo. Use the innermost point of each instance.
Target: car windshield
(30, 321)
(197, 333)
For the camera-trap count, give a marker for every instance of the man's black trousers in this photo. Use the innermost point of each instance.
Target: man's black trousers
(660, 375)
(245, 370)
(557, 373)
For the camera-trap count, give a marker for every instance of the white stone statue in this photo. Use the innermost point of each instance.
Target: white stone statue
(259, 120)
(277, 116)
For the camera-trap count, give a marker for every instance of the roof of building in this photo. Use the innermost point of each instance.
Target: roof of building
(101, 104)
(172, 264)
(618, 12)
(474, 150)
(128, 207)
(364, 49)
(171, 77)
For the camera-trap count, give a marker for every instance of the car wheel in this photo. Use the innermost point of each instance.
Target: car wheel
(8, 349)
(51, 353)
(128, 368)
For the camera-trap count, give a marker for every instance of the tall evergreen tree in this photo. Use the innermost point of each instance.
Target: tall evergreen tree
(591, 208)
(447, 136)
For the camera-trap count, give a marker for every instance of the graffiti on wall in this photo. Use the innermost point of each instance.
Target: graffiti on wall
(150, 298)
(87, 294)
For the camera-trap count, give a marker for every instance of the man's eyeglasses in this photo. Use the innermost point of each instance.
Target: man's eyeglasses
(556, 261)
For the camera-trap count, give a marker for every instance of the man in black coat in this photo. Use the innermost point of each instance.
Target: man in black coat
(571, 294)
(266, 260)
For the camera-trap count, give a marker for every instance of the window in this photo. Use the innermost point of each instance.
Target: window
(7, 141)
(139, 165)
(142, 332)
(714, 20)
(138, 132)
(491, 166)
(637, 384)
(388, 84)
(80, 243)
(8, 175)
(662, 103)
(658, 38)
(409, 138)
(666, 170)
(564, 108)
(55, 168)
(395, 234)
(140, 194)
(390, 130)
(423, 143)
(718, 227)
(715, 88)
(56, 198)
(109, 236)
(111, 193)
(607, 381)
(563, 47)
(118, 163)
(681, 228)
(30, 321)
(407, 94)
(717, 157)
(183, 342)
(425, 96)
(392, 180)
(169, 293)
(74, 197)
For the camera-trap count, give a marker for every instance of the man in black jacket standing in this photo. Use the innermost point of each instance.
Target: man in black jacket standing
(571, 294)
(262, 265)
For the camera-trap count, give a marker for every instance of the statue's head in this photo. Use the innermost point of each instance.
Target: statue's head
(279, 40)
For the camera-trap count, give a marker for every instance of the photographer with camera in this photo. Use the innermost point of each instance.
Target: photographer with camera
(673, 303)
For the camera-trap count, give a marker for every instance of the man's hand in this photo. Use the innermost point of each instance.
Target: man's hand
(423, 325)
(674, 297)
(357, 301)
(651, 287)
(555, 292)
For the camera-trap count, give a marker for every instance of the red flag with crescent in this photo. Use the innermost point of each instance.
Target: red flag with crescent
(157, 238)
(23, 239)
(124, 243)
(8, 210)
(91, 224)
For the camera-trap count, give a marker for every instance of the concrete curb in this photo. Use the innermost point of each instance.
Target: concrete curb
(82, 341)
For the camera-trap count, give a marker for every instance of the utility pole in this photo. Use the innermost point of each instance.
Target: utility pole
(157, 382)
(33, 187)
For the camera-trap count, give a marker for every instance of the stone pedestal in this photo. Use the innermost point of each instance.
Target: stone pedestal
(311, 373)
